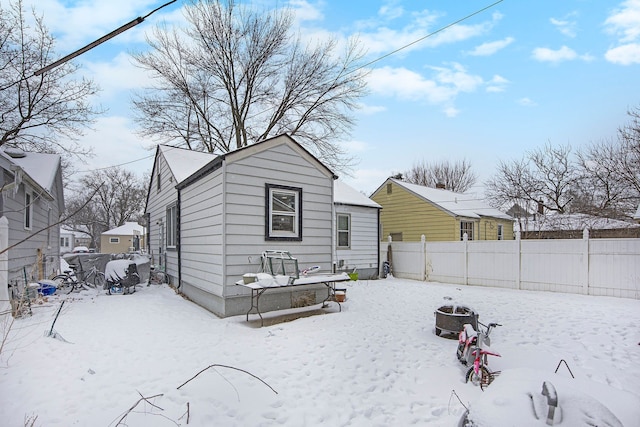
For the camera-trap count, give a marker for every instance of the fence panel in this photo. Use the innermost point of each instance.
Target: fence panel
(609, 267)
(493, 263)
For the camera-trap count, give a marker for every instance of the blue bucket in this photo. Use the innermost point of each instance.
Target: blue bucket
(46, 289)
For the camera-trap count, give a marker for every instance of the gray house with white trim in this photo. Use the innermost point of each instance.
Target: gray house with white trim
(357, 232)
(32, 203)
(210, 218)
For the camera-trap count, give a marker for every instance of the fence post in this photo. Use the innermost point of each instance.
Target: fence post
(585, 262)
(465, 239)
(519, 255)
(423, 258)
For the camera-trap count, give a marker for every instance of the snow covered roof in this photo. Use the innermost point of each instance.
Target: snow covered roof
(458, 204)
(347, 195)
(576, 221)
(41, 167)
(128, 229)
(182, 162)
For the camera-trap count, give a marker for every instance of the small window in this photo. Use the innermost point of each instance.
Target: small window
(344, 230)
(28, 210)
(500, 232)
(466, 227)
(389, 188)
(158, 181)
(172, 230)
(396, 237)
(283, 213)
(115, 240)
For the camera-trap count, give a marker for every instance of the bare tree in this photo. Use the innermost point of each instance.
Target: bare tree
(629, 136)
(117, 196)
(44, 113)
(547, 175)
(457, 176)
(236, 76)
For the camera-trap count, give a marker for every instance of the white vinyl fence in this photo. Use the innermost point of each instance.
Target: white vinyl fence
(606, 267)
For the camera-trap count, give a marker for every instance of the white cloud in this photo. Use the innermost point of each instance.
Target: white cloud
(526, 102)
(305, 11)
(441, 89)
(625, 21)
(382, 39)
(371, 109)
(118, 75)
(565, 26)
(489, 48)
(391, 10)
(497, 84)
(624, 55)
(565, 53)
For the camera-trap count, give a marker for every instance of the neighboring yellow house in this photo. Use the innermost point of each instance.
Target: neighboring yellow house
(410, 211)
(126, 238)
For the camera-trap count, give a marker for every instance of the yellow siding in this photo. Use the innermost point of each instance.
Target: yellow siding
(406, 213)
(403, 212)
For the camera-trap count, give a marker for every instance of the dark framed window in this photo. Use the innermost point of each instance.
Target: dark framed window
(500, 232)
(344, 231)
(172, 230)
(283, 212)
(466, 227)
(159, 181)
(28, 210)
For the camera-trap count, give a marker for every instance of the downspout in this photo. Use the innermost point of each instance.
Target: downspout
(178, 240)
(378, 248)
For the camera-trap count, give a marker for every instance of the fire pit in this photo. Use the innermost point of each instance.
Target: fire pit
(451, 318)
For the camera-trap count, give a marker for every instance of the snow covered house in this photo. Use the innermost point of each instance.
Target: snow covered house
(553, 225)
(410, 211)
(32, 203)
(211, 217)
(357, 232)
(128, 237)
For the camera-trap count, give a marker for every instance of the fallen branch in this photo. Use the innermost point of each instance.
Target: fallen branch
(142, 398)
(228, 367)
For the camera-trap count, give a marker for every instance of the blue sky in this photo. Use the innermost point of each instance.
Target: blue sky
(498, 84)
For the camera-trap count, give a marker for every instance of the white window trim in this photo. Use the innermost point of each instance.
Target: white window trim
(171, 224)
(28, 210)
(500, 232)
(338, 231)
(117, 240)
(469, 236)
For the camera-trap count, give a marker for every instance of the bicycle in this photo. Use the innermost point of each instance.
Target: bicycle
(77, 280)
(473, 353)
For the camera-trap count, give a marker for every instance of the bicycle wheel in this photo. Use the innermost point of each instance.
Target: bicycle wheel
(482, 378)
(63, 281)
(99, 280)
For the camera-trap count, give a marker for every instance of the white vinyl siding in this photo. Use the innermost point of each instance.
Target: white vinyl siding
(363, 250)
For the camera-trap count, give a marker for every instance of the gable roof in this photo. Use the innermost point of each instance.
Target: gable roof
(128, 229)
(456, 204)
(249, 150)
(41, 167)
(344, 194)
(183, 162)
(42, 170)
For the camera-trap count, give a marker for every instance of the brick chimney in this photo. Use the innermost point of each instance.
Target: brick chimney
(440, 185)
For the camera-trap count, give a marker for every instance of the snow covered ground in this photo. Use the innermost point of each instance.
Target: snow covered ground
(376, 363)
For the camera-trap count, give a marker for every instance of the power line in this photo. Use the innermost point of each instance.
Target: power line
(439, 30)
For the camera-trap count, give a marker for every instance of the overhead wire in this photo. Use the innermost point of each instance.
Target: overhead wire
(380, 58)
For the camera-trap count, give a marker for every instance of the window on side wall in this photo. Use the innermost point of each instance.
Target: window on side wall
(466, 227)
(283, 213)
(114, 240)
(500, 232)
(28, 210)
(172, 231)
(158, 181)
(344, 231)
